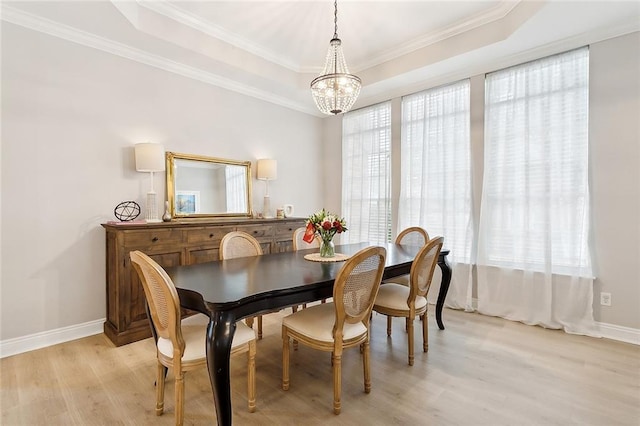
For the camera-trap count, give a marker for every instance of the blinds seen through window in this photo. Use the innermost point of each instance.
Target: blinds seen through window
(436, 170)
(535, 206)
(366, 174)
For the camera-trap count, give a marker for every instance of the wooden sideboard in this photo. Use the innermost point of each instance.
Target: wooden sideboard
(171, 244)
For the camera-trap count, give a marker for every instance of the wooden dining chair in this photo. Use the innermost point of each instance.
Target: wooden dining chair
(300, 244)
(397, 300)
(181, 343)
(240, 244)
(341, 324)
(412, 236)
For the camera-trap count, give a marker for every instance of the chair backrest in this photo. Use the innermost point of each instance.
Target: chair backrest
(300, 244)
(423, 266)
(162, 298)
(356, 286)
(413, 236)
(239, 244)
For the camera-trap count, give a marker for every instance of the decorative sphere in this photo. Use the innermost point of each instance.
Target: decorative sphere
(126, 211)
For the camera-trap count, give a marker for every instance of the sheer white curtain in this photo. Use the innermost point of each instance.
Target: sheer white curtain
(435, 190)
(236, 189)
(534, 262)
(366, 174)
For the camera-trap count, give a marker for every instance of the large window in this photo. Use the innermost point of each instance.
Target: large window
(366, 168)
(535, 205)
(436, 169)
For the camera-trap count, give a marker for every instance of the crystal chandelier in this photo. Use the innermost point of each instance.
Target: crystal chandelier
(335, 90)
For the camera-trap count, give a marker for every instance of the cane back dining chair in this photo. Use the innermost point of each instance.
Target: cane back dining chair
(397, 300)
(300, 244)
(240, 244)
(341, 324)
(412, 236)
(181, 343)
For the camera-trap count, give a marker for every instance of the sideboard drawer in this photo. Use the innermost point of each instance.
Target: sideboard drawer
(152, 237)
(259, 232)
(202, 255)
(207, 235)
(285, 230)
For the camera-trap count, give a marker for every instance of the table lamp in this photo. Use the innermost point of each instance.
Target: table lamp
(267, 170)
(150, 158)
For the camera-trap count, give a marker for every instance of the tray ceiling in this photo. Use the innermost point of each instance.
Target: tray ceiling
(273, 49)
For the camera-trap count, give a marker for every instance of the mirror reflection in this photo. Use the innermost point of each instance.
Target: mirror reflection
(207, 186)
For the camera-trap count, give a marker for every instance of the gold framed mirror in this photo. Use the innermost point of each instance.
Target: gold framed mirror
(199, 186)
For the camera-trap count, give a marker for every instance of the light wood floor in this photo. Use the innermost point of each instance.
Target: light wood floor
(480, 370)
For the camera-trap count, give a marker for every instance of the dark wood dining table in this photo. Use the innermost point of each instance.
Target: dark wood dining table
(230, 290)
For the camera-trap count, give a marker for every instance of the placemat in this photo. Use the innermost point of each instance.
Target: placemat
(315, 257)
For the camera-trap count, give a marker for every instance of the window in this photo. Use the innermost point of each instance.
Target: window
(366, 168)
(436, 170)
(535, 206)
(236, 189)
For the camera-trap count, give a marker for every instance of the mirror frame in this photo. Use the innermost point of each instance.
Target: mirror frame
(171, 158)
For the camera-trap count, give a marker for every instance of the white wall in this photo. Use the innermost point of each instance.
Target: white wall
(70, 117)
(71, 114)
(614, 137)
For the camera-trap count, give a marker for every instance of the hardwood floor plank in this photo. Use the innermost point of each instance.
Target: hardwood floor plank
(480, 370)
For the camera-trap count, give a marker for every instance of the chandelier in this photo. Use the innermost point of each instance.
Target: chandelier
(335, 90)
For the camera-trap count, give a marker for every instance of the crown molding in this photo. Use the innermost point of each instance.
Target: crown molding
(490, 65)
(178, 14)
(74, 35)
(483, 18)
(182, 16)
(369, 94)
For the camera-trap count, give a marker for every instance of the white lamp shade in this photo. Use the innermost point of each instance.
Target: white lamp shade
(267, 169)
(149, 157)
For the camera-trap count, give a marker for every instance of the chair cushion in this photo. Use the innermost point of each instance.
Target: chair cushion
(317, 323)
(402, 279)
(195, 337)
(197, 319)
(394, 296)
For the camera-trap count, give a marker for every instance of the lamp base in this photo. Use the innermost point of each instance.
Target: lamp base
(152, 208)
(266, 208)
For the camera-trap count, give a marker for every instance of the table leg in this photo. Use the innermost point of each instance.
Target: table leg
(444, 288)
(220, 333)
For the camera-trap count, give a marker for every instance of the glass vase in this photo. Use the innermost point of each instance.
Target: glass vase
(327, 249)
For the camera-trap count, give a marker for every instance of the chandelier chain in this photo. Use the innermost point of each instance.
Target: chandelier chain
(335, 19)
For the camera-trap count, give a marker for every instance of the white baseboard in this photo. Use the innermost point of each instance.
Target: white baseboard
(43, 339)
(608, 331)
(620, 333)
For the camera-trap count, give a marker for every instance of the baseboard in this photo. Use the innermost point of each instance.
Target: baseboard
(35, 341)
(608, 331)
(43, 339)
(617, 332)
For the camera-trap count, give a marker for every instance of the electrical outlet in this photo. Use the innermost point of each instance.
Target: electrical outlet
(605, 299)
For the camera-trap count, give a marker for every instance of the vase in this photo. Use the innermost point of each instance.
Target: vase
(167, 214)
(327, 249)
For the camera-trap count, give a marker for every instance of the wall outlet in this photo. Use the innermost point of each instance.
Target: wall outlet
(605, 299)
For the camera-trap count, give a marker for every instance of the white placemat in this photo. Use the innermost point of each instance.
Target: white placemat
(315, 257)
